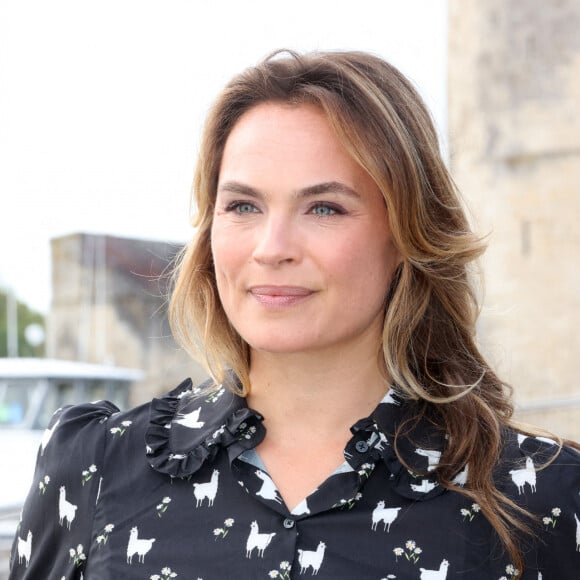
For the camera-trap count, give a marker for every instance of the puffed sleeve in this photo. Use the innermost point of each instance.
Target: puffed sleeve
(54, 533)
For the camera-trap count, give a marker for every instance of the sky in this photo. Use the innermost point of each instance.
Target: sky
(101, 104)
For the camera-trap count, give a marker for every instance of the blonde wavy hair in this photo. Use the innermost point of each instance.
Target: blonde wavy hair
(428, 344)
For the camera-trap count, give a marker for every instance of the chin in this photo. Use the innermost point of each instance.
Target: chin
(281, 344)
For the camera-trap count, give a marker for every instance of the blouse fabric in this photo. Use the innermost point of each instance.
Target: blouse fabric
(174, 489)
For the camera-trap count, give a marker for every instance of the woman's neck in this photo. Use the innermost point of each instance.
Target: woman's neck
(306, 392)
(309, 403)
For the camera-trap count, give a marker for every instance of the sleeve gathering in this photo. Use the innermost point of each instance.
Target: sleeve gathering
(54, 533)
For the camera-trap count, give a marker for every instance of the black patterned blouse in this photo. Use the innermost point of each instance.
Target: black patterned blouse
(175, 489)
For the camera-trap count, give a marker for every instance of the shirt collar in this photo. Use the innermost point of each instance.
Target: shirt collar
(188, 427)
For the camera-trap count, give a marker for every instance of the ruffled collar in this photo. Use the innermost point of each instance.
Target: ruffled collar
(188, 427)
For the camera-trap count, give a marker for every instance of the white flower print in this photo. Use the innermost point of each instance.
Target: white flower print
(511, 571)
(43, 484)
(283, 571)
(245, 432)
(223, 532)
(468, 515)
(412, 552)
(162, 507)
(78, 556)
(166, 574)
(104, 535)
(552, 519)
(88, 473)
(213, 397)
(346, 503)
(121, 430)
(366, 469)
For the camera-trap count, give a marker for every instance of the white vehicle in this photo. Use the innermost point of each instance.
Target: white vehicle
(30, 391)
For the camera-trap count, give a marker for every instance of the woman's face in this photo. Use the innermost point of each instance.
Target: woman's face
(300, 238)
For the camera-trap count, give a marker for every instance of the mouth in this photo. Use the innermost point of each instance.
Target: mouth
(280, 296)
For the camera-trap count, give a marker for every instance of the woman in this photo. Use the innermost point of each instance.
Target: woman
(351, 428)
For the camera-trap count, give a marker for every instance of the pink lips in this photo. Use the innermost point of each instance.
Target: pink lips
(280, 296)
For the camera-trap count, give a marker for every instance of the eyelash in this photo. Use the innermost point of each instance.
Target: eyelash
(333, 209)
(235, 206)
(330, 208)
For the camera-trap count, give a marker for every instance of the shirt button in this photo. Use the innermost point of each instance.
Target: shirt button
(288, 523)
(361, 446)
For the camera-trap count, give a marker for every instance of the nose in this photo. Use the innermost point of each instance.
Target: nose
(276, 241)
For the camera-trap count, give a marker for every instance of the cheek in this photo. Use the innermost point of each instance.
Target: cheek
(366, 268)
(223, 251)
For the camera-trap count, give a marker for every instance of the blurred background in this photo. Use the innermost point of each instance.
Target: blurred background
(101, 106)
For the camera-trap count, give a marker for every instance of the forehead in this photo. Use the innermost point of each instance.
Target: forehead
(293, 138)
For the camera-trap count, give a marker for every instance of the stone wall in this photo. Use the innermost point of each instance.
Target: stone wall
(109, 307)
(514, 119)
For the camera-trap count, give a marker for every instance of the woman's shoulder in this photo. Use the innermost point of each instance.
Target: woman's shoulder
(87, 423)
(99, 418)
(535, 470)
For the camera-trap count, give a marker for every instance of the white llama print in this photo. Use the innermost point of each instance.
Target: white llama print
(390, 398)
(138, 546)
(440, 574)
(47, 436)
(425, 486)
(208, 489)
(385, 515)
(577, 533)
(66, 510)
(526, 475)
(24, 548)
(190, 420)
(301, 509)
(432, 456)
(461, 478)
(268, 489)
(383, 441)
(257, 540)
(311, 559)
(177, 456)
(522, 438)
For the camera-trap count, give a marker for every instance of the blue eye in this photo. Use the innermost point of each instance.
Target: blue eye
(241, 207)
(245, 208)
(325, 210)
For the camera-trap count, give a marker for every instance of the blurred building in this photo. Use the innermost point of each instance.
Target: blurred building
(109, 307)
(514, 118)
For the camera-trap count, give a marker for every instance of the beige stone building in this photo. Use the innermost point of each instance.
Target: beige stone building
(109, 307)
(514, 118)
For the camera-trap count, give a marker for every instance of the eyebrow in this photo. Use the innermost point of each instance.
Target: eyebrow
(310, 190)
